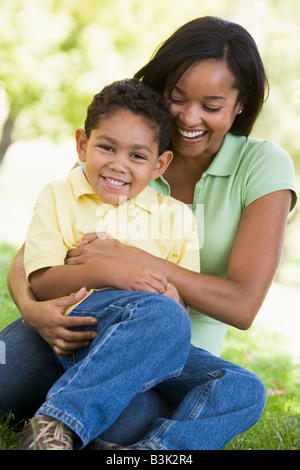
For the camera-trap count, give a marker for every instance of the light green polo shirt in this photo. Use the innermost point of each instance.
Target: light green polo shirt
(243, 170)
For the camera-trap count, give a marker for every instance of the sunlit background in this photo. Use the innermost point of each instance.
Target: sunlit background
(56, 54)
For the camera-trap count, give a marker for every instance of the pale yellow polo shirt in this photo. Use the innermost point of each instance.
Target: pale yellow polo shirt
(151, 221)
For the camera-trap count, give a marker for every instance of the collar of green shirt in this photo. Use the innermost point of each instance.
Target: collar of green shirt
(227, 159)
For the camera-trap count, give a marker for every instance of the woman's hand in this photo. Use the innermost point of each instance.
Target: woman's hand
(121, 272)
(48, 319)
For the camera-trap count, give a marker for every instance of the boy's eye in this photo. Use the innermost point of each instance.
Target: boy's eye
(107, 148)
(138, 156)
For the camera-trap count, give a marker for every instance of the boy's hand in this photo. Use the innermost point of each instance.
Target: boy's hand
(121, 273)
(137, 277)
(93, 246)
(172, 292)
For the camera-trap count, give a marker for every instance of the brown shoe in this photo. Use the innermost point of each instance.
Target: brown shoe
(46, 433)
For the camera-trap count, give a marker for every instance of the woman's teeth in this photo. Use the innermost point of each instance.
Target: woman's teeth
(191, 135)
(115, 182)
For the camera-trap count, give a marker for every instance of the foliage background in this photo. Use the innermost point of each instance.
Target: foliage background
(56, 54)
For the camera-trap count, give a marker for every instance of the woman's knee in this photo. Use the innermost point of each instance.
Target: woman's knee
(258, 394)
(249, 393)
(29, 371)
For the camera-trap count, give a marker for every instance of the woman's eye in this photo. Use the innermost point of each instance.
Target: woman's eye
(211, 110)
(175, 100)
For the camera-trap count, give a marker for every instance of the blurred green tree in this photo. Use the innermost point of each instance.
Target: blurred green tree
(55, 54)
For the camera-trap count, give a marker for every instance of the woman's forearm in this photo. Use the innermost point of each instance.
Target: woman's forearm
(18, 286)
(226, 300)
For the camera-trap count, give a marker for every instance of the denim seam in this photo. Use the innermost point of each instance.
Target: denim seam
(83, 312)
(195, 411)
(152, 384)
(161, 431)
(84, 362)
(158, 435)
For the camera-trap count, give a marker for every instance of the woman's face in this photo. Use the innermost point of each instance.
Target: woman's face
(204, 106)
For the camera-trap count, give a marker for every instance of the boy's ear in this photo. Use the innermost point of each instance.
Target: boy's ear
(162, 164)
(81, 144)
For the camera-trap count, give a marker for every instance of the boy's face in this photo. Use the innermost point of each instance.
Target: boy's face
(121, 156)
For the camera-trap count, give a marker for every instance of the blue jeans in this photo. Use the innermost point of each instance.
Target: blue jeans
(143, 339)
(227, 399)
(143, 342)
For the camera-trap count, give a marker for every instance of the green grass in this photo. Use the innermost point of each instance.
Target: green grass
(265, 349)
(273, 358)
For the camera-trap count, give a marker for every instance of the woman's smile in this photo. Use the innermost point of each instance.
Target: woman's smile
(191, 136)
(204, 105)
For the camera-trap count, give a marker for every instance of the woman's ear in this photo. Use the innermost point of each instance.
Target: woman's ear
(162, 164)
(81, 144)
(241, 105)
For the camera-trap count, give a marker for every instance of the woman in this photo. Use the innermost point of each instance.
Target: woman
(211, 73)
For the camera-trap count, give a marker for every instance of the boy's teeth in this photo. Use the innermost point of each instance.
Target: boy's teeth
(190, 135)
(115, 182)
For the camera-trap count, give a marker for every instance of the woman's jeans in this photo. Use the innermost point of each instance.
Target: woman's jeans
(143, 343)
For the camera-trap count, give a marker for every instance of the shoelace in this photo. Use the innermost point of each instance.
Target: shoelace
(60, 434)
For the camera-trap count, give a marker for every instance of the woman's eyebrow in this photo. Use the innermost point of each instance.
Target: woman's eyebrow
(177, 88)
(215, 97)
(212, 97)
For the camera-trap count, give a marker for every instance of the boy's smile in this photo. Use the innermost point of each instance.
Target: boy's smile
(121, 156)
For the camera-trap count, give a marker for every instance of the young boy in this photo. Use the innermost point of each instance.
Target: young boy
(143, 337)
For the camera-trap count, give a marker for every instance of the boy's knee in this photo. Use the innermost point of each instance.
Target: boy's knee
(173, 317)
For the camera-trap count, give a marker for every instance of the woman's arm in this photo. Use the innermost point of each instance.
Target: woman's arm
(253, 263)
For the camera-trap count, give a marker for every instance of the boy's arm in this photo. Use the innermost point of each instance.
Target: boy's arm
(58, 281)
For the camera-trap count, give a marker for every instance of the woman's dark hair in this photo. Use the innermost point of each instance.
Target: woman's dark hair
(212, 38)
(137, 97)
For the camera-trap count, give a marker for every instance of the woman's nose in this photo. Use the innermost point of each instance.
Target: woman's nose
(191, 115)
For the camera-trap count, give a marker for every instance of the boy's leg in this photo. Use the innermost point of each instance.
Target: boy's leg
(143, 339)
(217, 400)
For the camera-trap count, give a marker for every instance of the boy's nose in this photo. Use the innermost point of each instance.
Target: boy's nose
(118, 163)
